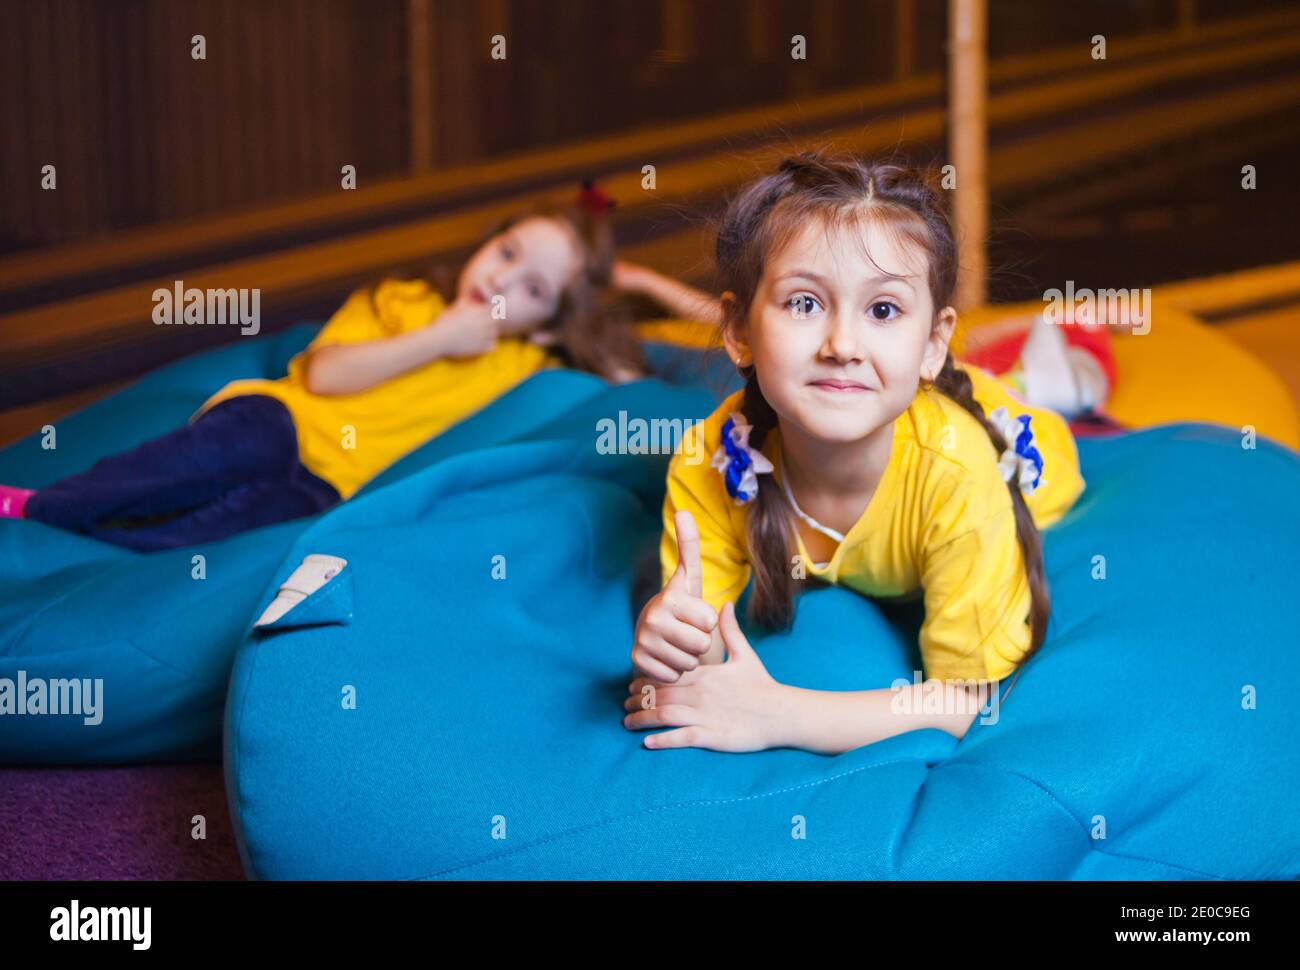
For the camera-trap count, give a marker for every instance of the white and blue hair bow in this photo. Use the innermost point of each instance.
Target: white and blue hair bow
(739, 464)
(1021, 460)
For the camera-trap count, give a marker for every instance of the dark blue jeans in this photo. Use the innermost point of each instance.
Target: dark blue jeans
(235, 468)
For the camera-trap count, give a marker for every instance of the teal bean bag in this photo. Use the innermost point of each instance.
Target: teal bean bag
(151, 637)
(449, 705)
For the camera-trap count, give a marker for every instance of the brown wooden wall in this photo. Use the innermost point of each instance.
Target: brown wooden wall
(141, 133)
(291, 90)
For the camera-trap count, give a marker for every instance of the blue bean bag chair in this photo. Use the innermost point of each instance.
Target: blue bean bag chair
(153, 636)
(449, 705)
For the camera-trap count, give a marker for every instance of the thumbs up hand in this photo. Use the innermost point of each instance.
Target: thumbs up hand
(675, 629)
(732, 706)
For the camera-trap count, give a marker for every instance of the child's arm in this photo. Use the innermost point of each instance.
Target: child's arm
(738, 706)
(681, 299)
(831, 722)
(464, 329)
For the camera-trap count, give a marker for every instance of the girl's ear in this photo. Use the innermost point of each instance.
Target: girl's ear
(936, 345)
(734, 335)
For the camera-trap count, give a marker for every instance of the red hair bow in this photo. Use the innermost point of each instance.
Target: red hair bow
(595, 199)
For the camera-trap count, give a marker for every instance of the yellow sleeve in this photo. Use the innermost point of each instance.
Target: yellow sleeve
(724, 554)
(371, 313)
(977, 598)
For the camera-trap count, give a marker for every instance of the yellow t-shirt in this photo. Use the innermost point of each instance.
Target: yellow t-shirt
(348, 439)
(941, 520)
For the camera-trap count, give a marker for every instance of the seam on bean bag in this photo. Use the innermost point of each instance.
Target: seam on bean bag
(169, 666)
(23, 628)
(1065, 808)
(672, 805)
(26, 629)
(811, 784)
(222, 678)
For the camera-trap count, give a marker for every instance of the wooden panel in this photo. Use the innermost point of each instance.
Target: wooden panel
(133, 166)
(143, 133)
(291, 90)
(43, 330)
(420, 76)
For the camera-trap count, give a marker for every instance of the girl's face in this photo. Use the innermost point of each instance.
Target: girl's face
(529, 265)
(840, 343)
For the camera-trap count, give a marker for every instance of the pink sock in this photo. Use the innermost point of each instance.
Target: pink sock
(13, 501)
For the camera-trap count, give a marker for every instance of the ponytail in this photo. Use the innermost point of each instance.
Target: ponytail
(956, 384)
(769, 524)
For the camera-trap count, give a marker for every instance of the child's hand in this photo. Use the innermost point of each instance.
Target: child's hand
(675, 628)
(732, 706)
(628, 277)
(465, 329)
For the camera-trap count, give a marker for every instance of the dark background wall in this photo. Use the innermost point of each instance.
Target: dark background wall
(293, 89)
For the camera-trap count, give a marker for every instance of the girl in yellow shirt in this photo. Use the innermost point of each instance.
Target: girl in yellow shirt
(393, 368)
(858, 453)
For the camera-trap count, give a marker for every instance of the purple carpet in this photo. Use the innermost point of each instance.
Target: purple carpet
(115, 823)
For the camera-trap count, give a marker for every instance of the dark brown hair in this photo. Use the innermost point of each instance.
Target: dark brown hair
(591, 333)
(758, 222)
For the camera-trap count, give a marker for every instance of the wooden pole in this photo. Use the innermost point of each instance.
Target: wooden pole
(968, 144)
